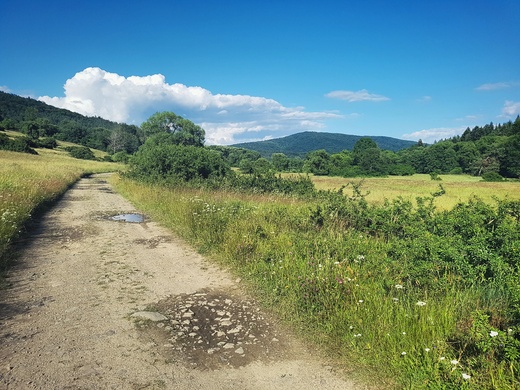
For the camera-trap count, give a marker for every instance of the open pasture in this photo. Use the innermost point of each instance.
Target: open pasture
(459, 188)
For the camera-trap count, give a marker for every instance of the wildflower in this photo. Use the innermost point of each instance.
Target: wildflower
(454, 362)
(351, 327)
(404, 333)
(357, 335)
(395, 300)
(493, 333)
(360, 301)
(442, 358)
(336, 263)
(421, 303)
(466, 376)
(427, 349)
(403, 353)
(399, 286)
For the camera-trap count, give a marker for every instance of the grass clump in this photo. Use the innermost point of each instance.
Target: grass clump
(428, 298)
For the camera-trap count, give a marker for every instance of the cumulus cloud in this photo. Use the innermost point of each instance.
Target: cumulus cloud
(435, 134)
(226, 118)
(496, 86)
(356, 96)
(510, 109)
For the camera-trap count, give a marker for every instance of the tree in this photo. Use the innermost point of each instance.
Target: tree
(318, 162)
(184, 132)
(280, 162)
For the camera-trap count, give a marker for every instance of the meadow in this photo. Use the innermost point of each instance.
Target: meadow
(408, 295)
(30, 182)
(459, 188)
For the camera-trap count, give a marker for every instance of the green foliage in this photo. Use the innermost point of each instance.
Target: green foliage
(492, 176)
(176, 163)
(181, 131)
(81, 152)
(18, 144)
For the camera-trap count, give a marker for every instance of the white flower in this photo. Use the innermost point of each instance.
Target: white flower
(357, 335)
(466, 376)
(399, 286)
(403, 353)
(351, 327)
(395, 299)
(493, 333)
(454, 362)
(404, 333)
(360, 301)
(442, 358)
(427, 349)
(421, 303)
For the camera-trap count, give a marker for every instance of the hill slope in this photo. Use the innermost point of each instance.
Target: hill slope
(20, 108)
(302, 143)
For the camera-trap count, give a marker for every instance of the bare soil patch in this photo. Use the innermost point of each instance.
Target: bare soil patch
(98, 303)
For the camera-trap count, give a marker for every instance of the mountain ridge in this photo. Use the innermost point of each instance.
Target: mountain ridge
(299, 144)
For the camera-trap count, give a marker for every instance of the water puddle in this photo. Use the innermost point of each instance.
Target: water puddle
(133, 218)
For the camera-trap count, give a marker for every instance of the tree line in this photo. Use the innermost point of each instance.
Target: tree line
(491, 151)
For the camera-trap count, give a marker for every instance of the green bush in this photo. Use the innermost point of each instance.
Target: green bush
(492, 176)
(81, 152)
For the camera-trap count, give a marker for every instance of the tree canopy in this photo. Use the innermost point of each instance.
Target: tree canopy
(182, 131)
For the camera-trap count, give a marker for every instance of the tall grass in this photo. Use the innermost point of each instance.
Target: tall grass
(374, 286)
(29, 181)
(459, 188)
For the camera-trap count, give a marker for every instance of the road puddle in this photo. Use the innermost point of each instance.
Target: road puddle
(132, 218)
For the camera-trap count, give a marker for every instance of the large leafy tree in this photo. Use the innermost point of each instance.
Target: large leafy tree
(182, 131)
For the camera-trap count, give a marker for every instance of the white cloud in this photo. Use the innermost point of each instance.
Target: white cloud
(435, 134)
(510, 109)
(4, 88)
(356, 96)
(424, 99)
(95, 92)
(495, 86)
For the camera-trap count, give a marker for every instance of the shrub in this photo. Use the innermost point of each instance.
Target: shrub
(492, 176)
(81, 152)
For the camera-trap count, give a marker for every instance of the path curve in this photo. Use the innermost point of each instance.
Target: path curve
(97, 303)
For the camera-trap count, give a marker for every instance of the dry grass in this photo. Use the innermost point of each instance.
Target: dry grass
(459, 188)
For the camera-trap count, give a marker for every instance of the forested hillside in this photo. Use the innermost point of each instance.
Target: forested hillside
(298, 145)
(37, 119)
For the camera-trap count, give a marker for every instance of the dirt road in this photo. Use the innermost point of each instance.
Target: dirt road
(96, 303)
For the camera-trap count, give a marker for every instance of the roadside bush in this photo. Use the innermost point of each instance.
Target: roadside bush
(176, 163)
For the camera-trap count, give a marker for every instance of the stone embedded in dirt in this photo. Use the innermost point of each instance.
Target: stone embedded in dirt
(214, 328)
(149, 315)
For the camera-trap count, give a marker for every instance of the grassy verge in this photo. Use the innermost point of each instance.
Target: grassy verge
(27, 182)
(417, 298)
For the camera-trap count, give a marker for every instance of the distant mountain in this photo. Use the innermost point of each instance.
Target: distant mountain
(298, 145)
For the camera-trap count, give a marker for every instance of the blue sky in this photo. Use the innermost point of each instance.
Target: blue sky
(253, 70)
